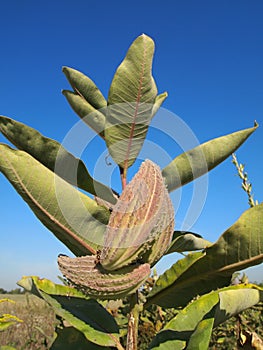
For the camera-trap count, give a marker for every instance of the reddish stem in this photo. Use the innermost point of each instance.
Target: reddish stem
(123, 173)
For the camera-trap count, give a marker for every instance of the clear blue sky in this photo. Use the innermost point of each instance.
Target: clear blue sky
(208, 57)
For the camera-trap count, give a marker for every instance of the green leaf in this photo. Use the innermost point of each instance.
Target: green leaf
(130, 103)
(94, 118)
(69, 338)
(171, 275)
(192, 326)
(86, 315)
(158, 102)
(86, 100)
(85, 87)
(200, 338)
(74, 218)
(239, 247)
(187, 241)
(198, 161)
(54, 156)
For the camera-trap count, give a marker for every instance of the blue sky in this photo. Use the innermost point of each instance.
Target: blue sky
(208, 57)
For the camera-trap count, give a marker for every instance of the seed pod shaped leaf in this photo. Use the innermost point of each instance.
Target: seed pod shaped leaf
(141, 224)
(88, 276)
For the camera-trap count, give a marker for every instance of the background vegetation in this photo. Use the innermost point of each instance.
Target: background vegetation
(36, 332)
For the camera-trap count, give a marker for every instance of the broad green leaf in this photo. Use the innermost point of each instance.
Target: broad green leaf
(85, 314)
(200, 338)
(69, 338)
(34, 285)
(171, 275)
(187, 241)
(239, 247)
(131, 98)
(74, 218)
(85, 87)
(198, 161)
(54, 156)
(192, 326)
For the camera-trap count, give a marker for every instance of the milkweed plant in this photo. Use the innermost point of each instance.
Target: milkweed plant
(117, 238)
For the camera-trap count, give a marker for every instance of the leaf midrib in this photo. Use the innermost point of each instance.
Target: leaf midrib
(139, 94)
(45, 212)
(235, 266)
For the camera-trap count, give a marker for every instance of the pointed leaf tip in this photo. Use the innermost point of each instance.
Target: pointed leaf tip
(198, 161)
(74, 218)
(239, 247)
(131, 99)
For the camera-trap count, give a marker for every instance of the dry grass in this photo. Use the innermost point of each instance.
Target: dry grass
(37, 329)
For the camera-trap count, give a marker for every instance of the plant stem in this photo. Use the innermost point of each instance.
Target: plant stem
(246, 185)
(133, 321)
(123, 173)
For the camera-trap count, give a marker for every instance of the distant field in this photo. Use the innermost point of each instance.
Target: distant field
(37, 329)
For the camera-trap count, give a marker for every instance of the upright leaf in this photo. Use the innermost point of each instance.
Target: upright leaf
(158, 102)
(130, 103)
(85, 87)
(85, 314)
(198, 161)
(192, 326)
(54, 156)
(86, 100)
(74, 218)
(241, 246)
(94, 118)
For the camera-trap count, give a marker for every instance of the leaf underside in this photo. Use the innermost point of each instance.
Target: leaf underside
(131, 98)
(184, 241)
(85, 314)
(192, 326)
(198, 161)
(54, 156)
(86, 100)
(239, 247)
(74, 218)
